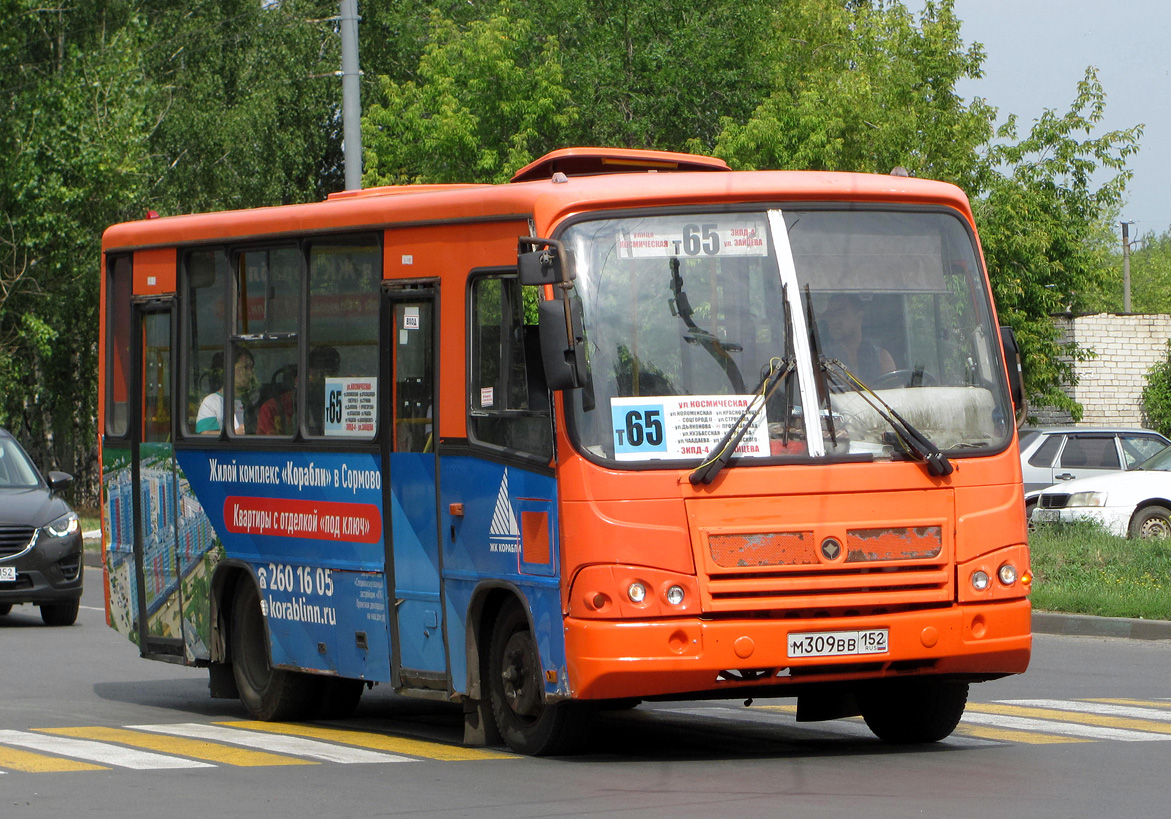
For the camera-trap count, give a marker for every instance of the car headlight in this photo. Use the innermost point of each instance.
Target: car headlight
(1087, 499)
(67, 524)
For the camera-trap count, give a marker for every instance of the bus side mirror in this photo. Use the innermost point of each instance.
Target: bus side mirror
(1014, 364)
(562, 343)
(545, 264)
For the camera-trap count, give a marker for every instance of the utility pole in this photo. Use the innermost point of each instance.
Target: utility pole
(351, 96)
(1126, 266)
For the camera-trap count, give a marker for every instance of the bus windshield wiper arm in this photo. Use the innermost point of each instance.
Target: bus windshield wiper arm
(725, 448)
(914, 442)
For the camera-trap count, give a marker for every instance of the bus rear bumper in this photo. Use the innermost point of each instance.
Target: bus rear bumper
(614, 659)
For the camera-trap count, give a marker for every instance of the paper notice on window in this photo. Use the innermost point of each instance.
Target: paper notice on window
(351, 406)
(675, 426)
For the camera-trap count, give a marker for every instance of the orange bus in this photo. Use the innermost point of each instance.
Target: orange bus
(631, 427)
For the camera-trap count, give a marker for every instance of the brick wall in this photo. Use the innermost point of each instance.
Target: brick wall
(1110, 385)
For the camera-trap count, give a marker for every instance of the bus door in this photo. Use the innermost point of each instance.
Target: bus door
(414, 558)
(153, 474)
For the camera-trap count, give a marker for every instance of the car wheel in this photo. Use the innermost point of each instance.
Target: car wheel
(5, 608)
(268, 693)
(1030, 505)
(912, 713)
(60, 614)
(1153, 522)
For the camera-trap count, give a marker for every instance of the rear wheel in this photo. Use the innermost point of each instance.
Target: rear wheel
(517, 693)
(1152, 522)
(268, 693)
(912, 713)
(60, 614)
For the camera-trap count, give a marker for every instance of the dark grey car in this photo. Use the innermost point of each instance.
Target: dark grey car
(40, 539)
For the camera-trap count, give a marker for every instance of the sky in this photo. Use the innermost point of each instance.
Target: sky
(1037, 52)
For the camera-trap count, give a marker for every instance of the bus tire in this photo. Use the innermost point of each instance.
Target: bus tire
(913, 713)
(1151, 523)
(516, 689)
(268, 693)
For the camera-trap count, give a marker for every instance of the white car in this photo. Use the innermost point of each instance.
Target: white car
(1130, 504)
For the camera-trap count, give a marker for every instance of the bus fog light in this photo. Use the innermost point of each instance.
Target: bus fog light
(1007, 574)
(636, 592)
(675, 595)
(980, 580)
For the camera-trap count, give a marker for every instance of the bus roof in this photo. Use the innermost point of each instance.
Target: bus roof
(548, 198)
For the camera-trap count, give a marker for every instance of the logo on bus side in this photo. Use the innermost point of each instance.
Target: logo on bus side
(504, 533)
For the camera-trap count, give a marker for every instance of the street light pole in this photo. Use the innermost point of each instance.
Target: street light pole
(1126, 266)
(351, 101)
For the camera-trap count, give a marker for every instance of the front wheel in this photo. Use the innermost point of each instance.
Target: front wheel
(1151, 523)
(268, 693)
(516, 691)
(60, 614)
(913, 713)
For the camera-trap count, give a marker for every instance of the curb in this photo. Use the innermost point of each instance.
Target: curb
(1044, 622)
(1085, 625)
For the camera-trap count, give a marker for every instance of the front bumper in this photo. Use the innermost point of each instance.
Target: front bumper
(613, 659)
(1114, 519)
(51, 572)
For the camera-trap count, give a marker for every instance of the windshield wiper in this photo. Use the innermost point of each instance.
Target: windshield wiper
(719, 455)
(913, 442)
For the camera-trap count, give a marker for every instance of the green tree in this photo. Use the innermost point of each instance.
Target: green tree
(1046, 229)
(487, 101)
(75, 158)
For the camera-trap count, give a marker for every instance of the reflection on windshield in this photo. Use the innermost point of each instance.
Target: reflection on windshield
(682, 310)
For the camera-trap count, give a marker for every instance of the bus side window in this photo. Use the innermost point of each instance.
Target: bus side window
(509, 404)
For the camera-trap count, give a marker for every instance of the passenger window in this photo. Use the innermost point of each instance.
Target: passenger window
(1045, 453)
(1090, 453)
(1137, 448)
(509, 404)
(206, 275)
(341, 385)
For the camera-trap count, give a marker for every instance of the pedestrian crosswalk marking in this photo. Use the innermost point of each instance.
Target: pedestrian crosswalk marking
(179, 746)
(1052, 722)
(1015, 736)
(15, 759)
(373, 741)
(274, 743)
(106, 754)
(1115, 714)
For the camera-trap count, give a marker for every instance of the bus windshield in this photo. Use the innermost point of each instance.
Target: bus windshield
(684, 314)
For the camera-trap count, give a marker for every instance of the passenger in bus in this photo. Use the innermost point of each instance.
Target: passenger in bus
(278, 414)
(211, 410)
(843, 318)
(324, 362)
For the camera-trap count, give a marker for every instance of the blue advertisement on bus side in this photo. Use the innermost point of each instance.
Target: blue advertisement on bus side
(311, 527)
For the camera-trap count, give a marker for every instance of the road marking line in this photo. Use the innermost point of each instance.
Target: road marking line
(297, 746)
(373, 741)
(97, 751)
(1009, 735)
(195, 748)
(999, 718)
(19, 760)
(1104, 708)
(1157, 704)
(1089, 714)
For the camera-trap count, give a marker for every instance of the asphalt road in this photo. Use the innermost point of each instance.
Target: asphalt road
(89, 729)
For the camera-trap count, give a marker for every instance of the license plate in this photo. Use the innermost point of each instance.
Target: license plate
(7, 574)
(839, 643)
(1046, 515)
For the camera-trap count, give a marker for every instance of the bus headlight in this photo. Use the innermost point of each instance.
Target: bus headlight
(675, 595)
(636, 592)
(1007, 574)
(980, 580)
